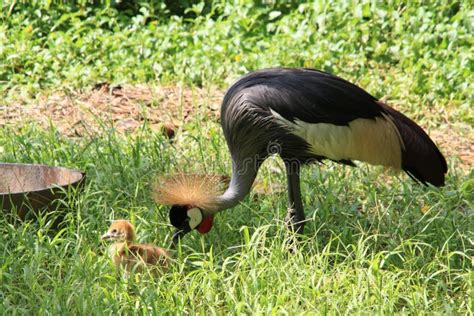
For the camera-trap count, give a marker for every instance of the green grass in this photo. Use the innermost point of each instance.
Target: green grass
(370, 245)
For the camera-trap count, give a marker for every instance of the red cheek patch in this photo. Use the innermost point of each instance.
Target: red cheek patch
(205, 225)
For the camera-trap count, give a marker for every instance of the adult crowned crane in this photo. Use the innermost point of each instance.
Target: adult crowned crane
(305, 115)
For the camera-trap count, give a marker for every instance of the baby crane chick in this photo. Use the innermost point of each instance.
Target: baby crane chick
(133, 256)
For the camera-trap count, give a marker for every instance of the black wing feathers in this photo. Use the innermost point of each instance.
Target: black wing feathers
(309, 95)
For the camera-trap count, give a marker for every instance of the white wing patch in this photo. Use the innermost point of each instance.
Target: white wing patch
(376, 141)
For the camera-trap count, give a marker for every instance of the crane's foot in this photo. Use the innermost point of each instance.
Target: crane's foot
(295, 221)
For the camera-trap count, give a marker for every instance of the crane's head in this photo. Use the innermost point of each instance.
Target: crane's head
(120, 230)
(193, 200)
(186, 218)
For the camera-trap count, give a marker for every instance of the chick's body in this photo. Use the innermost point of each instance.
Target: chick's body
(133, 256)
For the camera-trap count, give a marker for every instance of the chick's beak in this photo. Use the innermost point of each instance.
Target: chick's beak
(106, 236)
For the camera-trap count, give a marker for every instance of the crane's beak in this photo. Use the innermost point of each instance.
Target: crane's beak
(177, 236)
(180, 232)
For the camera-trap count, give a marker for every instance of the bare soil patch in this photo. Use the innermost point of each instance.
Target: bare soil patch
(123, 107)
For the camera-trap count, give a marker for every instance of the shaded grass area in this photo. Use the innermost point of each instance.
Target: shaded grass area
(371, 244)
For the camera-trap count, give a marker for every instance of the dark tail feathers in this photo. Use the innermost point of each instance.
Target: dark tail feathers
(421, 159)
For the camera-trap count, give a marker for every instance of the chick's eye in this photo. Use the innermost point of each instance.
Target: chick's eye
(114, 231)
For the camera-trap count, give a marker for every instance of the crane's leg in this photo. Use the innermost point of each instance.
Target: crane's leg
(295, 216)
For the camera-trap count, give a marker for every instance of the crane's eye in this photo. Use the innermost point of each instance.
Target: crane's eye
(114, 231)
